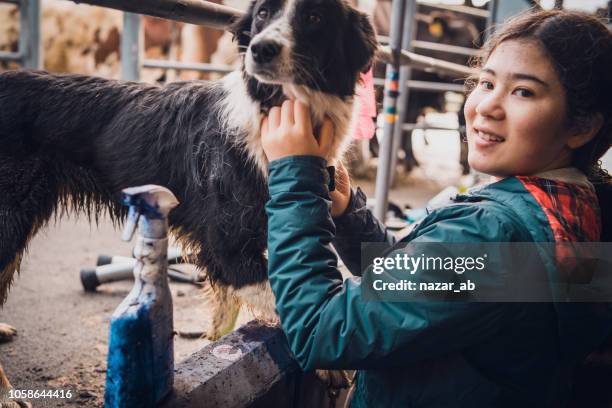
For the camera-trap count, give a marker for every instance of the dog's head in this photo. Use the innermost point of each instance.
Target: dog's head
(321, 44)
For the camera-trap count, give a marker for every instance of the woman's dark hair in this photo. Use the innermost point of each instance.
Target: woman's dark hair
(580, 47)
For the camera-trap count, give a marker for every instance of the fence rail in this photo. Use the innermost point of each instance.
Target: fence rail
(426, 63)
(187, 66)
(28, 52)
(471, 11)
(10, 56)
(187, 11)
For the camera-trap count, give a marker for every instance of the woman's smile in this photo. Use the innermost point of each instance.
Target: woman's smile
(485, 138)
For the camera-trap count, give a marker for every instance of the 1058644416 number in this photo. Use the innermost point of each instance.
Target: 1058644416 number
(40, 394)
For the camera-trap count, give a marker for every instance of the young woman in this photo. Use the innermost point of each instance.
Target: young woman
(538, 120)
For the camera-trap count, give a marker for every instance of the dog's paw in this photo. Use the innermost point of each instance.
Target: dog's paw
(224, 308)
(216, 332)
(15, 404)
(7, 333)
(334, 379)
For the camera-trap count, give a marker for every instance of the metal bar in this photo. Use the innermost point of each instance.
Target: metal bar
(472, 11)
(23, 43)
(390, 102)
(29, 35)
(190, 66)
(409, 33)
(451, 49)
(131, 41)
(491, 19)
(426, 63)
(10, 1)
(188, 11)
(11, 56)
(427, 86)
(435, 86)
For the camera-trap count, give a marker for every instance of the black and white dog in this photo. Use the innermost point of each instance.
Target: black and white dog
(71, 142)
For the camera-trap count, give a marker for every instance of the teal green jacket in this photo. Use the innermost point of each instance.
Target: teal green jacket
(417, 354)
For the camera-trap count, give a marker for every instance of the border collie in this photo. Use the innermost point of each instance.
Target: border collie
(72, 142)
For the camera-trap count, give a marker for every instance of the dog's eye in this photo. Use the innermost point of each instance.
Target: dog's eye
(262, 14)
(314, 18)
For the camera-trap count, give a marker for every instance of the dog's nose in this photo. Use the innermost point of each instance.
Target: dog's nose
(265, 51)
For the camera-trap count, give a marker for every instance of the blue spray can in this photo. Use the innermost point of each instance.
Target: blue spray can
(140, 369)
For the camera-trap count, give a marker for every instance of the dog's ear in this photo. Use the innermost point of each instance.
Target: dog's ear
(360, 41)
(241, 28)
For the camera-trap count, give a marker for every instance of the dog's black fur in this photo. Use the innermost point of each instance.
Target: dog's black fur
(72, 142)
(76, 141)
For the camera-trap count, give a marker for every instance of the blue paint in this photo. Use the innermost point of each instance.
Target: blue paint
(138, 375)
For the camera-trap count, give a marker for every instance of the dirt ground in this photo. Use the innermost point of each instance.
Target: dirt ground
(63, 331)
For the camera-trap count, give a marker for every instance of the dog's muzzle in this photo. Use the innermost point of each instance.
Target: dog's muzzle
(265, 51)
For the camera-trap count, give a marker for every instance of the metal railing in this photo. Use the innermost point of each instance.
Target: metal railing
(187, 11)
(451, 49)
(28, 53)
(399, 55)
(198, 12)
(191, 66)
(471, 11)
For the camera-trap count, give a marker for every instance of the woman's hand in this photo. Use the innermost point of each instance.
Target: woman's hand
(287, 131)
(342, 194)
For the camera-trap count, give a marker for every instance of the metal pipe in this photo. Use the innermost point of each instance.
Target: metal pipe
(435, 86)
(427, 86)
(491, 18)
(390, 101)
(188, 11)
(451, 49)
(10, 1)
(409, 33)
(11, 56)
(426, 63)
(472, 11)
(29, 36)
(131, 42)
(189, 66)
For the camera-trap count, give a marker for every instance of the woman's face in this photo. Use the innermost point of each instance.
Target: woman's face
(516, 114)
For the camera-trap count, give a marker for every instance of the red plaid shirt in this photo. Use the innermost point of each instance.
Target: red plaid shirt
(572, 210)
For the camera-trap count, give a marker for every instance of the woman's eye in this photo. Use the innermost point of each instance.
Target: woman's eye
(314, 18)
(262, 13)
(522, 92)
(486, 84)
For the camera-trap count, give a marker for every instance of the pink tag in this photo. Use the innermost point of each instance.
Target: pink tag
(367, 107)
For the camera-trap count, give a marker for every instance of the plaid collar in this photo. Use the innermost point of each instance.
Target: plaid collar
(572, 209)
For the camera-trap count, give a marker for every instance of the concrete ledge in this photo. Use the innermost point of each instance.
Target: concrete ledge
(250, 367)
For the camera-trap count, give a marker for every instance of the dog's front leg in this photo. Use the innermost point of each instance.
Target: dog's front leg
(260, 299)
(5, 388)
(224, 307)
